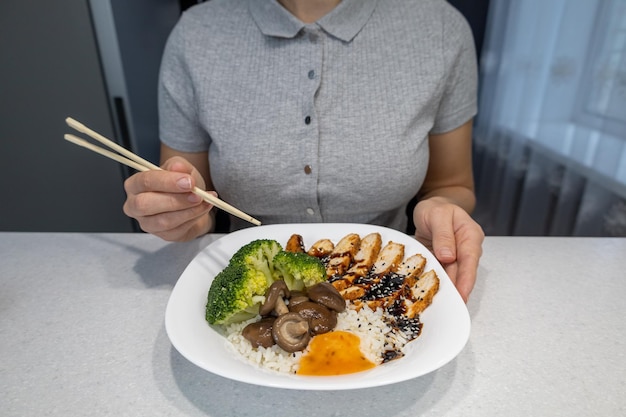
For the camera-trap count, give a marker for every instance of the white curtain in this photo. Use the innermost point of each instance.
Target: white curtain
(550, 136)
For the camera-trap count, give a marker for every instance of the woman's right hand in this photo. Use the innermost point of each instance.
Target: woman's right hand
(163, 204)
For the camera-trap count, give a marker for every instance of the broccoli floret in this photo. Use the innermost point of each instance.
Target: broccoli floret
(258, 255)
(238, 290)
(298, 269)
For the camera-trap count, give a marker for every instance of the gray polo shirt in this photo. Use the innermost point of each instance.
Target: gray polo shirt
(324, 122)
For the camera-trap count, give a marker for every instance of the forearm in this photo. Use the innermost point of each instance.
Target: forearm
(450, 175)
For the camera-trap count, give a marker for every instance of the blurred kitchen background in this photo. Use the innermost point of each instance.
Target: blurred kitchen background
(550, 137)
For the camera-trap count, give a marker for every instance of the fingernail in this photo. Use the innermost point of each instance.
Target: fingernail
(184, 183)
(446, 253)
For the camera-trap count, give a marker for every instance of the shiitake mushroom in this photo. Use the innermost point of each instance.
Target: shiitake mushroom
(259, 333)
(291, 332)
(321, 319)
(275, 299)
(291, 318)
(325, 294)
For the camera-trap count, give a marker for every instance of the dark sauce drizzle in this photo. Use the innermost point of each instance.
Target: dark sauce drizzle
(386, 286)
(379, 286)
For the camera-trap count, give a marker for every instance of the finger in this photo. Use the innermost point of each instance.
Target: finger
(185, 232)
(152, 203)
(469, 253)
(178, 164)
(451, 270)
(173, 223)
(159, 181)
(443, 235)
(466, 278)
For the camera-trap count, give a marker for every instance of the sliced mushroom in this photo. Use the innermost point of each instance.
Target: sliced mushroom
(291, 332)
(327, 295)
(321, 319)
(260, 333)
(297, 297)
(274, 301)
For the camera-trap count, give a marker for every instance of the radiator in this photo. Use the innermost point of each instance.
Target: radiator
(526, 189)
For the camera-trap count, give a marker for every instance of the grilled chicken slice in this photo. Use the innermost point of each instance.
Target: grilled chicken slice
(367, 273)
(342, 255)
(321, 248)
(363, 261)
(396, 286)
(353, 292)
(295, 244)
(421, 294)
(412, 267)
(386, 290)
(393, 286)
(366, 255)
(389, 258)
(387, 261)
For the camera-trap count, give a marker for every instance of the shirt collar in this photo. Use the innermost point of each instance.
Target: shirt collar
(344, 22)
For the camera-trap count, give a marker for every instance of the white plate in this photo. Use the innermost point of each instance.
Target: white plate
(446, 323)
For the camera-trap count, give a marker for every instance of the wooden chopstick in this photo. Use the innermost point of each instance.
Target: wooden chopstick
(140, 164)
(82, 142)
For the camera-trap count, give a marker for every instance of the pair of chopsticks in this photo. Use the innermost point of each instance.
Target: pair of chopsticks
(136, 162)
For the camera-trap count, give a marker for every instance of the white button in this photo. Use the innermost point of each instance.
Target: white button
(310, 211)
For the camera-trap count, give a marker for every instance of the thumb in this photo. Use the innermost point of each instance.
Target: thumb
(444, 249)
(443, 238)
(178, 164)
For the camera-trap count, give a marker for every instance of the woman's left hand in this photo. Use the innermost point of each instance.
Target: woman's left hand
(454, 238)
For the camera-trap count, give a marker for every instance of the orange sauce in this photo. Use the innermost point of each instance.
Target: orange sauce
(334, 353)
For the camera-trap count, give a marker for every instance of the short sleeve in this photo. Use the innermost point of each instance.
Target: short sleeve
(179, 122)
(459, 99)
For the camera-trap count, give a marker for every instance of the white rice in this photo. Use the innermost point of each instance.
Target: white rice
(367, 324)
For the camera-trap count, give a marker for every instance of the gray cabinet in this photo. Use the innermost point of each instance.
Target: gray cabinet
(50, 70)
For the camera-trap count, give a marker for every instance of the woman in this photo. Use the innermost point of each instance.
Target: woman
(318, 111)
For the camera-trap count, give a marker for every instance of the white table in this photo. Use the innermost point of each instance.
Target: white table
(82, 334)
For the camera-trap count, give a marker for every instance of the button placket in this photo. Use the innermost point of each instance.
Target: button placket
(311, 72)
